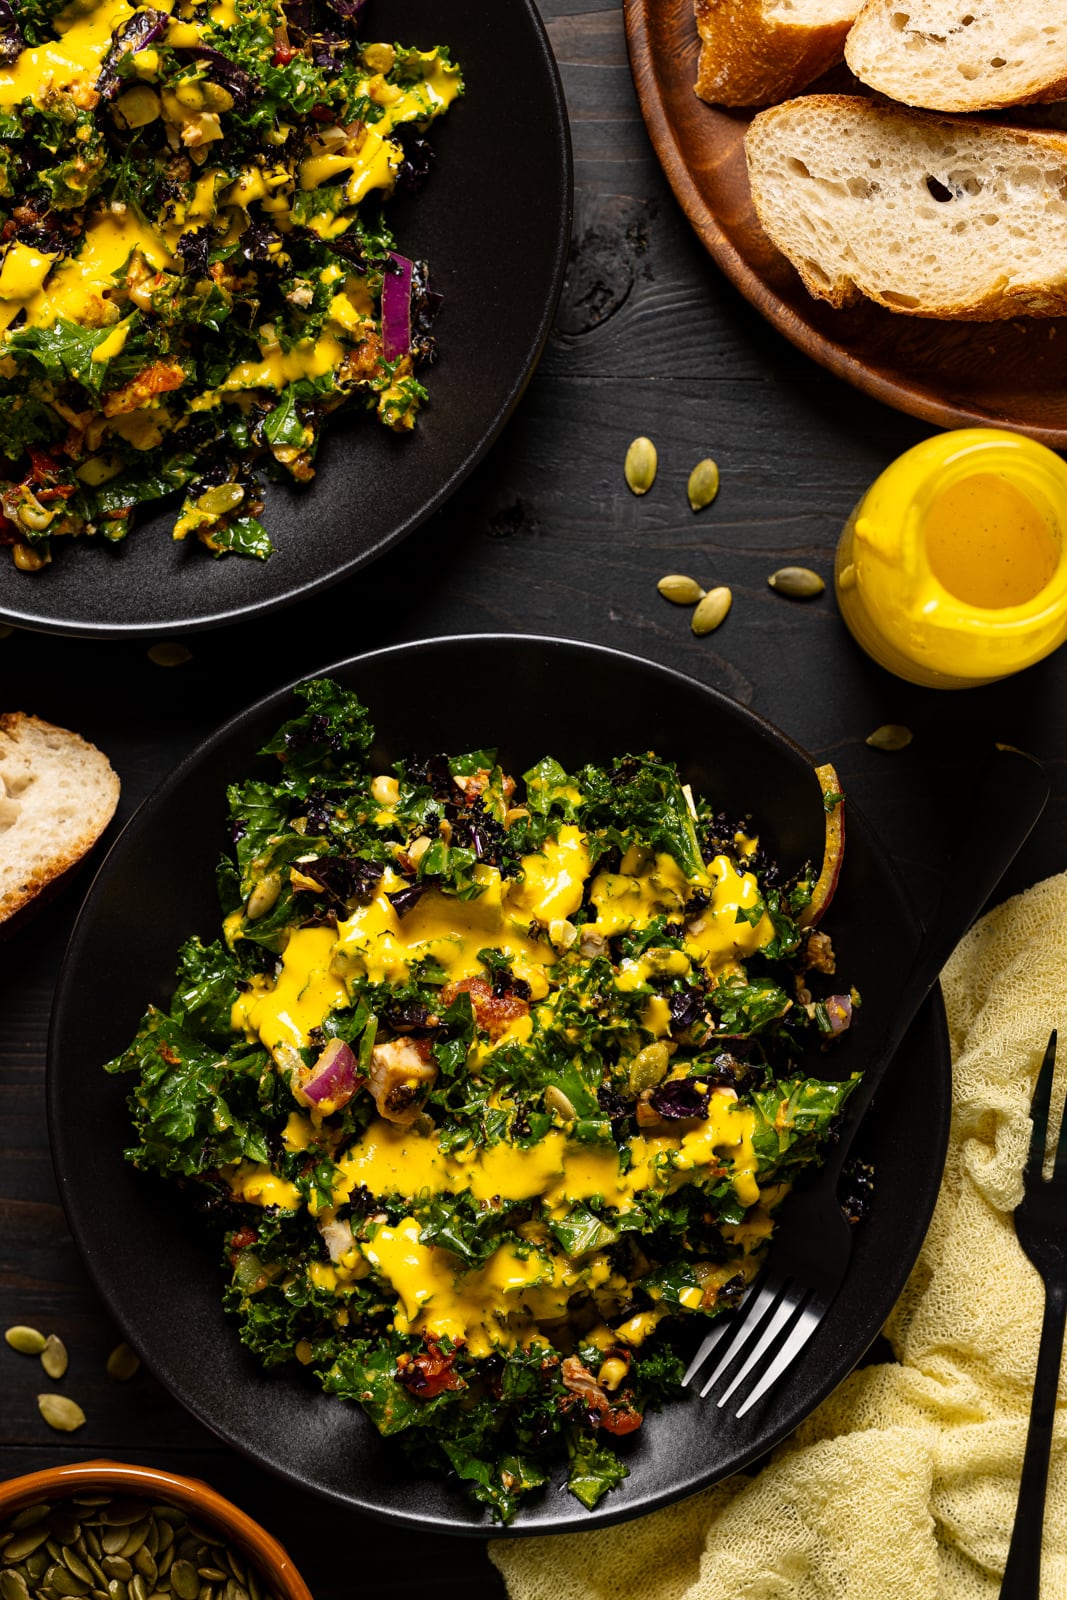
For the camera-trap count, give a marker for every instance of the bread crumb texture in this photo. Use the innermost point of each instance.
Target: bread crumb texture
(930, 216)
(57, 795)
(981, 56)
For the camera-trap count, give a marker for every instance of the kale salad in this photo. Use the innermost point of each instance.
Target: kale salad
(495, 1084)
(194, 266)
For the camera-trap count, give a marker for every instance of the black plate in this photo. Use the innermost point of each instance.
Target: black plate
(494, 222)
(157, 1267)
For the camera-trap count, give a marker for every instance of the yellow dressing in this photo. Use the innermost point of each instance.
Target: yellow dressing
(952, 572)
(257, 1185)
(74, 59)
(553, 880)
(301, 998)
(988, 543)
(378, 944)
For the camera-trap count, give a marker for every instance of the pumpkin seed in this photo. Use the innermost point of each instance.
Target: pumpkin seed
(66, 1527)
(680, 590)
(13, 1586)
(27, 1341)
(890, 736)
(29, 1516)
(166, 1537)
(557, 1102)
(184, 1580)
(169, 654)
(138, 1587)
(641, 463)
(60, 1412)
(54, 1357)
(214, 1574)
(703, 484)
(166, 1556)
(649, 1067)
(93, 1544)
(712, 611)
(117, 1589)
(117, 1567)
(36, 1565)
(63, 1581)
(75, 1564)
(135, 1538)
(113, 1540)
(122, 1363)
(145, 1562)
(124, 1513)
(24, 1544)
(798, 583)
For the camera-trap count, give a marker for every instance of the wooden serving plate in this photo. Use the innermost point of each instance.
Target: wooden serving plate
(958, 374)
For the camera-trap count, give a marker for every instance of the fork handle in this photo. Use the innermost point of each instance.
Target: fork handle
(1022, 1574)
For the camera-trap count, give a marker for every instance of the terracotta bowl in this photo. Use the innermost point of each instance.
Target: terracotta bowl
(251, 1541)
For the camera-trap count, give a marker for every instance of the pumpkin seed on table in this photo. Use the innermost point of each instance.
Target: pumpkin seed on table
(60, 1412)
(703, 484)
(642, 461)
(54, 1357)
(680, 590)
(27, 1341)
(168, 653)
(122, 1363)
(890, 736)
(797, 583)
(712, 611)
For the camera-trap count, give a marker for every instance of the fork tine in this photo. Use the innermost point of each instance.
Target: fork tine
(1039, 1110)
(798, 1337)
(713, 1340)
(777, 1322)
(743, 1330)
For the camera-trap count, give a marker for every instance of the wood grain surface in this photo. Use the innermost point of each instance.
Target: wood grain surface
(545, 537)
(1010, 374)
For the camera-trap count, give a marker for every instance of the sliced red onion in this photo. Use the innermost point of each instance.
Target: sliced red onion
(396, 308)
(334, 1078)
(838, 1008)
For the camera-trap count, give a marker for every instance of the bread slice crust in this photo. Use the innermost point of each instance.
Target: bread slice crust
(928, 216)
(755, 52)
(961, 55)
(57, 795)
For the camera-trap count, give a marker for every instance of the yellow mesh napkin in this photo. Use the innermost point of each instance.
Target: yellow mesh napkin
(902, 1485)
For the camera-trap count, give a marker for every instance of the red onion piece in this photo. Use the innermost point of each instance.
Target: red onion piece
(838, 1009)
(396, 308)
(333, 1081)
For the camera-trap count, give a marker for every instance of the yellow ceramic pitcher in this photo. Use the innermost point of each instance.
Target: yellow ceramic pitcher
(952, 570)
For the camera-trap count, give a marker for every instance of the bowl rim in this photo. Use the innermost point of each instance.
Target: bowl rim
(154, 1484)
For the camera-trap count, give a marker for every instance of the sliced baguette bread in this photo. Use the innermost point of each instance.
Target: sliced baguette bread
(57, 795)
(755, 52)
(926, 215)
(961, 55)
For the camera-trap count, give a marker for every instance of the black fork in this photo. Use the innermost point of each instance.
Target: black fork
(1041, 1226)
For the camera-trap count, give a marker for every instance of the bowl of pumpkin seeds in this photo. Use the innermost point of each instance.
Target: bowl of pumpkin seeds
(103, 1530)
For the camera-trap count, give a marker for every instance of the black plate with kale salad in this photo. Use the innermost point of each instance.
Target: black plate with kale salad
(200, 202)
(489, 1088)
(196, 270)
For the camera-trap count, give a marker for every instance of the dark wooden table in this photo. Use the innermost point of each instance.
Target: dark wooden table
(544, 538)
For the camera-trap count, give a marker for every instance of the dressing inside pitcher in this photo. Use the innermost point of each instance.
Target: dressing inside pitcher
(952, 570)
